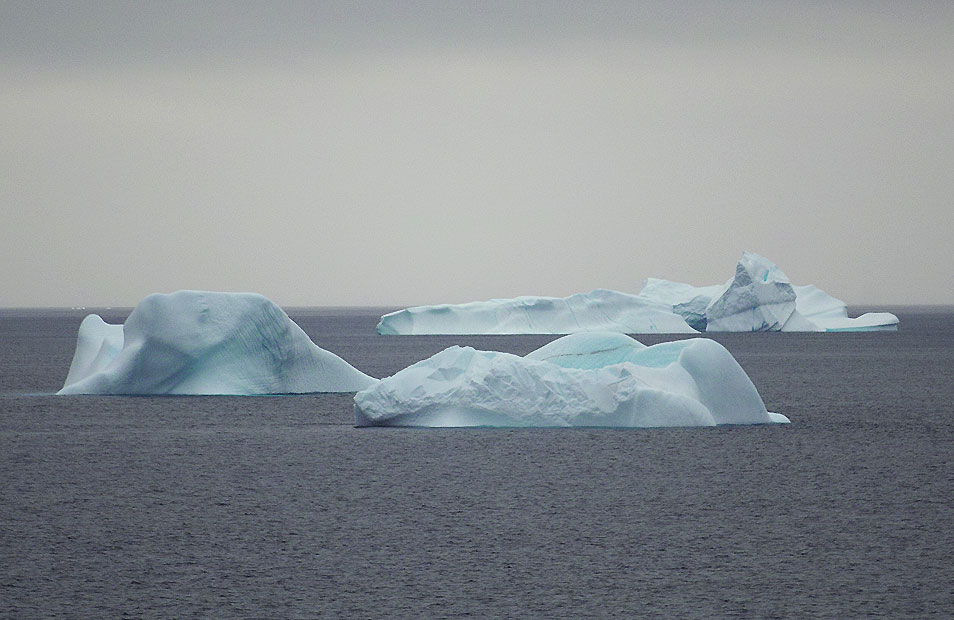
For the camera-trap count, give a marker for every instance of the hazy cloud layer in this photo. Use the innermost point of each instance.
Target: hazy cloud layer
(364, 153)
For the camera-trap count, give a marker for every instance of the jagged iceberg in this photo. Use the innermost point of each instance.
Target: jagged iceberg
(599, 310)
(194, 342)
(591, 379)
(760, 297)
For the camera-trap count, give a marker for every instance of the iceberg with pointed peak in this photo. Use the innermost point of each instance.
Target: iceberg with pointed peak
(195, 342)
(760, 297)
(586, 379)
(599, 310)
(97, 344)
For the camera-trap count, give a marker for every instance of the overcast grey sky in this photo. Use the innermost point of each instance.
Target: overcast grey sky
(405, 153)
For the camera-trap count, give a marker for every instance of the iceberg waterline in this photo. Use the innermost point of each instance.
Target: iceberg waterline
(598, 310)
(97, 344)
(195, 342)
(759, 297)
(592, 379)
(198, 342)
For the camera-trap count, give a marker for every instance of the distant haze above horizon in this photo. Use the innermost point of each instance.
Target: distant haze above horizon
(373, 153)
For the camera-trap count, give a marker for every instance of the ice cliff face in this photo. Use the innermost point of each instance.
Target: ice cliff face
(582, 380)
(97, 343)
(194, 342)
(598, 310)
(760, 297)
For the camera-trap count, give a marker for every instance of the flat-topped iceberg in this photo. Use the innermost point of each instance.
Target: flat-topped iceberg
(826, 313)
(759, 297)
(599, 310)
(594, 379)
(194, 342)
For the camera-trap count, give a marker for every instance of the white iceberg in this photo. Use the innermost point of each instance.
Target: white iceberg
(194, 342)
(588, 350)
(813, 303)
(689, 302)
(760, 297)
(693, 382)
(599, 310)
(97, 343)
(826, 313)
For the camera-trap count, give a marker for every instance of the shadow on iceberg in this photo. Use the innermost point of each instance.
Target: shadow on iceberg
(759, 297)
(583, 380)
(195, 342)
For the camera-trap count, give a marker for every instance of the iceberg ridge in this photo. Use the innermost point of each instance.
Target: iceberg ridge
(596, 379)
(759, 297)
(197, 342)
(598, 310)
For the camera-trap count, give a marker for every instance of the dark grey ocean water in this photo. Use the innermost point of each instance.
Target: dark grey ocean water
(277, 507)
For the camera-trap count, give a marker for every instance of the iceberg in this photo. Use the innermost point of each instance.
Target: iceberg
(588, 350)
(689, 302)
(760, 297)
(97, 343)
(196, 342)
(592, 379)
(826, 313)
(599, 310)
(868, 322)
(813, 303)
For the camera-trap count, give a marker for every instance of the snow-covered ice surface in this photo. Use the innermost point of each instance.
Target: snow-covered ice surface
(195, 342)
(598, 379)
(599, 310)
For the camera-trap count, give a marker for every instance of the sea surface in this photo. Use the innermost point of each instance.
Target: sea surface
(278, 507)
